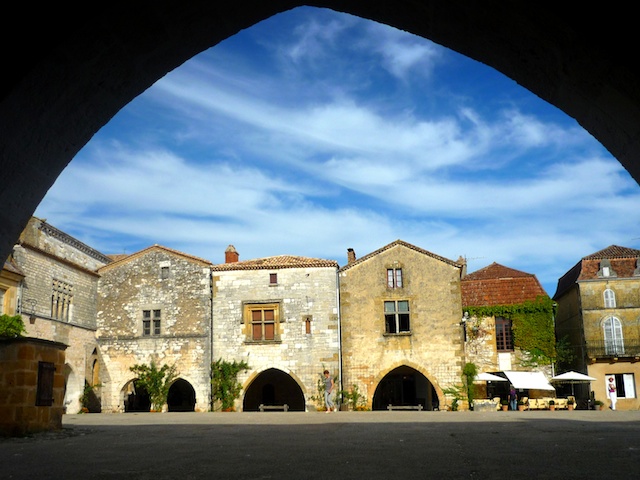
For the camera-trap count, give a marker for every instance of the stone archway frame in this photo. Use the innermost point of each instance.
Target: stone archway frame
(79, 69)
(255, 374)
(371, 389)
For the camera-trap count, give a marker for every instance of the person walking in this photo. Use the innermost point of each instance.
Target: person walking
(329, 385)
(513, 398)
(613, 394)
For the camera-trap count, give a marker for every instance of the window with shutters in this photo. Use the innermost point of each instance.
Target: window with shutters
(262, 322)
(44, 393)
(504, 335)
(609, 298)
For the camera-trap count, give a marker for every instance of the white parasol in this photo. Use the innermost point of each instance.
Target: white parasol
(572, 378)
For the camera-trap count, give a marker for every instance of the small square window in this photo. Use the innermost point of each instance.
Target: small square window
(164, 272)
(273, 278)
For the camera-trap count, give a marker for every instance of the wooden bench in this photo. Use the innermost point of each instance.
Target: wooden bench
(404, 407)
(264, 408)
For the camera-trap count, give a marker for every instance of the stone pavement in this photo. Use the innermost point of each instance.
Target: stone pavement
(354, 445)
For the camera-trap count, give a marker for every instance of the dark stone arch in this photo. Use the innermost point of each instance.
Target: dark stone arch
(273, 387)
(78, 69)
(182, 397)
(405, 386)
(136, 397)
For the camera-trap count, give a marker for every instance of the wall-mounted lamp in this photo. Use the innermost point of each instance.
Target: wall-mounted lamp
(32, 314)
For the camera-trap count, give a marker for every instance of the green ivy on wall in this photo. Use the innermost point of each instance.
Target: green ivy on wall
(532, 325)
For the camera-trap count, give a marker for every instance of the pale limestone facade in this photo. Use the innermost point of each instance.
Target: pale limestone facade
(284, 366)
(57, 298)
(416, 364)
(154, 305)
(598, 311)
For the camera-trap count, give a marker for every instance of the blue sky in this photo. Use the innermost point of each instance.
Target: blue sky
(314, 132)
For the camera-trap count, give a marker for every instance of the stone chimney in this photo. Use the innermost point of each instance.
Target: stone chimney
(462, 261)
(351, 256)
(231, 255)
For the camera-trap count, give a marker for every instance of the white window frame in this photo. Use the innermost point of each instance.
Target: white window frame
(609, 298)
(613, 339)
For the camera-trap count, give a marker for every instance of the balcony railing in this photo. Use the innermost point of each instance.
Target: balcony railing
(600, 349)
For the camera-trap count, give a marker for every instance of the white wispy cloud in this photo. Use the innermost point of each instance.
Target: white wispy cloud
(258, 152)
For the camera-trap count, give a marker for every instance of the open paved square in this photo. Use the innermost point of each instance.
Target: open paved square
(362, 445)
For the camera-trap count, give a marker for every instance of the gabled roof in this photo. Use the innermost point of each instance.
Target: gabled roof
(499, 285)
(395, 244)
(276, 262)
(623, 262)
(11, 266)
(128, 258)
(613, 251)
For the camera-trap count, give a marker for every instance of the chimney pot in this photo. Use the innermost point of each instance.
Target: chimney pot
(231, 255)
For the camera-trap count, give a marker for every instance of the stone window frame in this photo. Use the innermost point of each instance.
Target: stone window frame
(151, 324)
(396, 320)
(273, 278)
(395, 278)
(248, 309)
(61, 300)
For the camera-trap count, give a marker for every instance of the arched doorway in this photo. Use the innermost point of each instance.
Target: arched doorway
(136, 398)
(182, 397)
(273, 387)
(404, 386)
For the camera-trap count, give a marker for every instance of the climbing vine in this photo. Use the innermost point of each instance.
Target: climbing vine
(532, 325)
(225, 387)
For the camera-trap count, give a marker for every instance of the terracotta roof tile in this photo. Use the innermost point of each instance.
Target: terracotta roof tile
(624, 262)
(499, 285)
(276, 262)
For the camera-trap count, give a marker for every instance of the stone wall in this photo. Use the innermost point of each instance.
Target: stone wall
(20, 413)
(433, 346)
(302, 294)
(179, 287)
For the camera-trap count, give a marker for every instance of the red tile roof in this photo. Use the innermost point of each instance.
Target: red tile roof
(277, 262)
(624, 262)
(499, 285)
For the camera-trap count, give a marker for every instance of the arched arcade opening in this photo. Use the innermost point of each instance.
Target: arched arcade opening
(182, 397)
(273, 387)
(405, 386)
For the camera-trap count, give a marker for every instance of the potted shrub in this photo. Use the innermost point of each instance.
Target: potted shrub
(505, 405)
(521, 405)
(570, 404)
(599, 404)
(552, 405)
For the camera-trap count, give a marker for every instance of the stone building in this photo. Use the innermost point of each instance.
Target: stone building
(58, 296)
(599, 313)
(11, 278)
(155, 305)
(489, 340)
(280, 315)
(400, 326)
